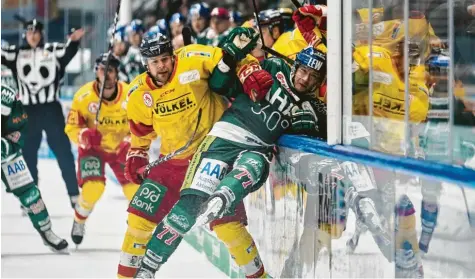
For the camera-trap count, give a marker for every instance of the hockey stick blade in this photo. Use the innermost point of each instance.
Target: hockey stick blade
(169, 156)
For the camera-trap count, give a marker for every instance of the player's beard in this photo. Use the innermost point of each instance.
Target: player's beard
(162, 77)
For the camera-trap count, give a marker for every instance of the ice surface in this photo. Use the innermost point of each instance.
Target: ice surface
(24, 255)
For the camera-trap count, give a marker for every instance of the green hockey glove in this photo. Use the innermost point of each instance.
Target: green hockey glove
(240, 42)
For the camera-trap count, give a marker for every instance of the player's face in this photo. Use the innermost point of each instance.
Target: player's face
(306, 79)
(219, 25)
(161, 67)
(110, 81)
(198, 23)
(33, 38)
(268, 40)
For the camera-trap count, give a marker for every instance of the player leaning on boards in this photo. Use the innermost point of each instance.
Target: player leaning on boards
(15, 173)
(108, 142)
(234, 158)
(166, 101)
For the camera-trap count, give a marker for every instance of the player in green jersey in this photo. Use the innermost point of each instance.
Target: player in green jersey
(234, 158)
(15, 174)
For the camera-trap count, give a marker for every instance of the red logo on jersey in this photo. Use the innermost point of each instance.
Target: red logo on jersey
(147, 99)
(92, 107)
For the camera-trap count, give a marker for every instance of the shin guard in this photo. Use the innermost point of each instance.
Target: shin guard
(138, 234)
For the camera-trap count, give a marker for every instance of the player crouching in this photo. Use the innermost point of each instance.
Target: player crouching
(15, 173)
(108, 142)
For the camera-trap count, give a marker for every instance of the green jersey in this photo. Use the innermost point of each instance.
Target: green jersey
(8, 78)
(262, 123)
(14, 120)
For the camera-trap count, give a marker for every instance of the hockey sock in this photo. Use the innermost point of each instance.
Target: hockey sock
(139, 232)
(242, 248)
(90, 194)
(429, 213)
(250, 170)
(129, 190)
(32, 201)
(169, 233)
(406, 224)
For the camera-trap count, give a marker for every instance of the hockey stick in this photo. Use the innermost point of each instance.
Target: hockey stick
(109, 55)
(256, 13)
(263, 47)
(144, 171)
(278, 54)
(470, 220)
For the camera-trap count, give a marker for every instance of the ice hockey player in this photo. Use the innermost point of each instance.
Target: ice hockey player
(311, 29)
(271, 26)
(166, 102)
(234, 158)
(15, 173)
(108, 142)
(388, 110)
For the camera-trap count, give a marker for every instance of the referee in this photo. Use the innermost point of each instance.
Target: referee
(39, 70)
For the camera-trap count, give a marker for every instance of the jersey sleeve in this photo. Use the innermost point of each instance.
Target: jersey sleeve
(9, 56)
(273, 65)
(140, 119)
(8, 100)
(75, 121)
(64, 52)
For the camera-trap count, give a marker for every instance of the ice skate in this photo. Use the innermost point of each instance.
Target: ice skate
(149, 265)
(408, 263)
(77, 232)
(54, 242)
(144, 273)
(214, 209)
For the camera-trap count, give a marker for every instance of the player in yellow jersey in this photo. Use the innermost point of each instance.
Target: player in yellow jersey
(106, 143)
(311, 30)
(388, 123)
(165, 102)
(271, 26)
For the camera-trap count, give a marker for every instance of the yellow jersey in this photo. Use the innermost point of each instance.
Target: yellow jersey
(388, 97)
(113, 124)
(292, 42)
(171, 111)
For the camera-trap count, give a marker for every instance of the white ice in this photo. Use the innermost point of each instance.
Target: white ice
(24, 255)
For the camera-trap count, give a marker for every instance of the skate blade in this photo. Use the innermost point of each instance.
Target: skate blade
(64, 251)
(214, 206)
